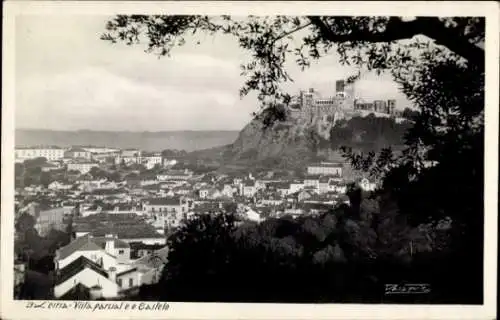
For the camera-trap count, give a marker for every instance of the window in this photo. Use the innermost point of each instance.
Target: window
(121, 251)
(130, 282)
(119, 281)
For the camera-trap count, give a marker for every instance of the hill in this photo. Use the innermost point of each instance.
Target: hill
(295, 142)
(148, 141)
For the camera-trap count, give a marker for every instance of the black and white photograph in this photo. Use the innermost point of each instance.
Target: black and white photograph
(259, 158)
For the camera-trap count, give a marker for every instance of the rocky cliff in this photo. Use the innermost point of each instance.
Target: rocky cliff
(308, 137)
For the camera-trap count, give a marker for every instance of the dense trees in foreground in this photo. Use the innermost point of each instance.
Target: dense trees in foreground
(346, 255)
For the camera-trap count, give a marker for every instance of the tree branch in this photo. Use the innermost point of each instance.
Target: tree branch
(286, 34)
(397, 29)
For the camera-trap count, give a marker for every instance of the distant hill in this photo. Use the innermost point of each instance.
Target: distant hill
(148, 141)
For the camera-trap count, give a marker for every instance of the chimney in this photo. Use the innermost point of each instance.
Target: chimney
(112, 274)
(110, 244)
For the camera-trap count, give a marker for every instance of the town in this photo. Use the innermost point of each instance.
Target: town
(119, 207)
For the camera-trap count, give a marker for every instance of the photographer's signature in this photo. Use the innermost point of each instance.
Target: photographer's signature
(407, 288)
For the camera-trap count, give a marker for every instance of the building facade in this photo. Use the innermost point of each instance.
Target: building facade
(325, 168)
(82, 167)
(51, 154)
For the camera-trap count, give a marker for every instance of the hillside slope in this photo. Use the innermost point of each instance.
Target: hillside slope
(296, 141)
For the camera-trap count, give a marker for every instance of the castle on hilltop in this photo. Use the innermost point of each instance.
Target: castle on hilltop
(343, 104)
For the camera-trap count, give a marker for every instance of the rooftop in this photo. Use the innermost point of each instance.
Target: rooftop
(327, 164)
(76, 266)
(87, 243)
(169, 201)
(77, 149)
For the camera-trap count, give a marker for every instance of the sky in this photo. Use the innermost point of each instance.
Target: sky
(69, 79)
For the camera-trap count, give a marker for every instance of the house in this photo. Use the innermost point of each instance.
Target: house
(338, 187)
(152, 265)
(87, 263)
(78, 153)
(323, 184)
(312, 181)
(107, 251)
(304, 195)
(168, 211)
(249, 189)
(367, 185)
(150, 160)
(82, 166)
(128, 157)
(203, 193)
(131, 153)
(271, 200)
(283, 188)
(296, 185)
(84, 272)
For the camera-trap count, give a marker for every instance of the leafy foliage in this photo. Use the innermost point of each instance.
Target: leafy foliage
(438, 175)
(329, 258)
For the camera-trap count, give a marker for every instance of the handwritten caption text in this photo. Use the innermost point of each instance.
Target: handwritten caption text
(98, 306)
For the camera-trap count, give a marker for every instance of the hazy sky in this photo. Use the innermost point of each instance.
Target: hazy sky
(69, 79)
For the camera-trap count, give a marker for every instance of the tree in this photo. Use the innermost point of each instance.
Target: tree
(24, 223)
(46, 178)
(204, 238)
(438, 64)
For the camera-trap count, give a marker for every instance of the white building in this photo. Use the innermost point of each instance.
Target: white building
(169, 211)
(99, 264)
(82, 167)
(366, 185)
(249, 189)
(325, 168)
(151, 160)
(78, 153)
(50, 153)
